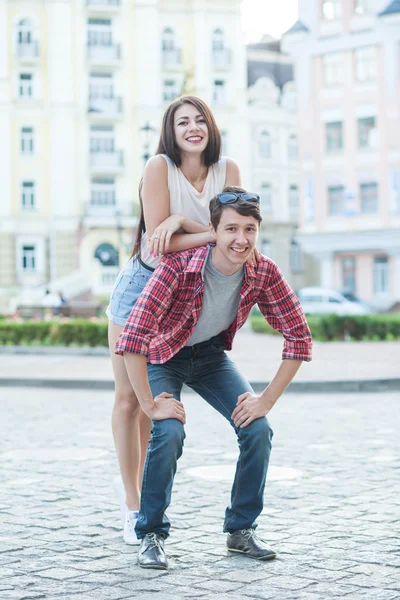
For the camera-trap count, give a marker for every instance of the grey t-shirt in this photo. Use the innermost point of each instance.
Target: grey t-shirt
(220, 302)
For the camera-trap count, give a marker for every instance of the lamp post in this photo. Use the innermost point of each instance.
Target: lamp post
(146, 132)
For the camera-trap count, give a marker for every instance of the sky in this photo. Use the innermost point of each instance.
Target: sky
(267, 16)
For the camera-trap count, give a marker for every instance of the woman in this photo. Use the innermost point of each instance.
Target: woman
(177, 185)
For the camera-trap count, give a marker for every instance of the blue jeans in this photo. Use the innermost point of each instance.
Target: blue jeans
(208, 371)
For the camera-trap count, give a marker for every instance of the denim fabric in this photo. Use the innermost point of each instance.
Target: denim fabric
(127, 289)
(208, 371)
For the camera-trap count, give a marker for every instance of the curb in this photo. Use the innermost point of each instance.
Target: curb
(302, 387)
(56, 350)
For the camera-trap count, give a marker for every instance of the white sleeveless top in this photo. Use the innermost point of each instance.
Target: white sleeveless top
(186, 200)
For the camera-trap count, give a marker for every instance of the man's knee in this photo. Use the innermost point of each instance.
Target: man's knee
(169, 432)
(259, 431)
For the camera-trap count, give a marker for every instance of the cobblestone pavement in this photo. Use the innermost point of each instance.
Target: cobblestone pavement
(332, 503)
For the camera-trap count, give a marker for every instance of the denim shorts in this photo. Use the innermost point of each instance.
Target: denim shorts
(127, 288)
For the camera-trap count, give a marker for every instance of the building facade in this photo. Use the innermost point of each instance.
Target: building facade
(347, 67)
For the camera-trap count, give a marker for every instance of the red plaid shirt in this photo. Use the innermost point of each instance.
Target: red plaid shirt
(166, 312)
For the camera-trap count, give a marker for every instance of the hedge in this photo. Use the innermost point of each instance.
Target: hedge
(77, 332)
(333, 327)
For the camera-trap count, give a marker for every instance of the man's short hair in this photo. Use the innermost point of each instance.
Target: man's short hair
(243, 207)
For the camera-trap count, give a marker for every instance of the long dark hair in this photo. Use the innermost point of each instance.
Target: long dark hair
(167, 145)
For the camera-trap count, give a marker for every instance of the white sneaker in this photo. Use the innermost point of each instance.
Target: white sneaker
(120, 491)
(129, 528)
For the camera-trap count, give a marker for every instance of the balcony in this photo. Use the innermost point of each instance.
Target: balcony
(115, 209)
(103, 5)
(106, 162)
(104, 54)
(172, 58)
(105, 108)
(28, 52)
(222, 58)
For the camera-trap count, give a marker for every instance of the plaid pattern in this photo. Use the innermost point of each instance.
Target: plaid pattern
(166, 312)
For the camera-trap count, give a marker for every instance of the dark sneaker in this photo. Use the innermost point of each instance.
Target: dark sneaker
(247, 542)
(151, 552)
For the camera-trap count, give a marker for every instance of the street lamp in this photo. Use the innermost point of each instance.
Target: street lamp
(146, 132)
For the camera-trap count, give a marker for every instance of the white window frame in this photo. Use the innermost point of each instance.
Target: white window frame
(296, 257)
(28, 195)
(170, 90)
(333, 69)
(292, 147)
(264, 145)
(27, 86)
(381, 275)
(218, 40)
(27, 140)
(102, 139)
(38, 243)
(362, 7)
(336, 203)
(219, 92)
(349, 267)
(168, 39)
(266, 248)
(293, 200)
(369, 202)
(366, 63)
(266, 198)
(334, 137)
(224, 142)
(102, 191)
(99, 32)
(25, 31)
(101, 86)
(366, 132)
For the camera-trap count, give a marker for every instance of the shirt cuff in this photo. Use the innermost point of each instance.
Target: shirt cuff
(297, 351)
(134, 346)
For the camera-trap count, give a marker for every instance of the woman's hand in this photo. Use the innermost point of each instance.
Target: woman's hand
(159, 241)
(253, 258)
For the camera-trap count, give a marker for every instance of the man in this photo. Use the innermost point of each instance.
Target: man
(185, 318)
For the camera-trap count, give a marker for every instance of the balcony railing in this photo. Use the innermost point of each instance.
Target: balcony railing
(172, 58)
(105, 107)
(107, 161)
(28, 50)
(104, 53)
(222, 58)
(112, 209)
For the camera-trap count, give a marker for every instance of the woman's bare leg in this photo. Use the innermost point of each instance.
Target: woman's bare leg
(131, 429)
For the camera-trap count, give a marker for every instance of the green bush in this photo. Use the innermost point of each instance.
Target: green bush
(333, 327)
(54, 333)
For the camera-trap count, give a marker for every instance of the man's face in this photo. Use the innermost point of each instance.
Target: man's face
(236, 238)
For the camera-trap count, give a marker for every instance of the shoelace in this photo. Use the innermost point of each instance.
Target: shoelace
(155, 541)
(248, 533)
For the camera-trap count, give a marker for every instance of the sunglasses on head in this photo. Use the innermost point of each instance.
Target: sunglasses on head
(232, 197)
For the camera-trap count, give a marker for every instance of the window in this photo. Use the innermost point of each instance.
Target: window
(331, 9)
(224, 142)
(219, 92)
(168, 39)
(171, 51)
(99, 32)
(334, 136)
(28, 195)
(102, 192)
(101, 138)
(292, 147)
(218, 40)
(29, 258)
(349, 274)
(170, 90)
(27, 140)
(266, 248)
(361, 7)
(365, 63)
(333, 68)
(295, 257)
(25, 32)
(266, 198)
(381, 275)
(366, 132)
(369, 197)
(107, 255)
(101, 86)
(395, 189)
(293, 200)
(25, 85)
(336, 200)
(264, 145)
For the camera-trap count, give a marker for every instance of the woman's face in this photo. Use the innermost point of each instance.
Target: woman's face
(191, 131)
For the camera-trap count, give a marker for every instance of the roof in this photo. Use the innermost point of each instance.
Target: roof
(280, 73)
(391, 9)
(297, 27)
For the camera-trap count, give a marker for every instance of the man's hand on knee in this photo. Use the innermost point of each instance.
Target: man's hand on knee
(166, 407)
(249, 407)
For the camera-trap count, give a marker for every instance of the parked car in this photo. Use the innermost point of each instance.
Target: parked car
(321, 301)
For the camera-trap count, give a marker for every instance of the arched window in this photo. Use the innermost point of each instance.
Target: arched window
(107, 255)
(25, 31)
(168, 39)
(292, 147)
(218, 40)
(264, 144)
